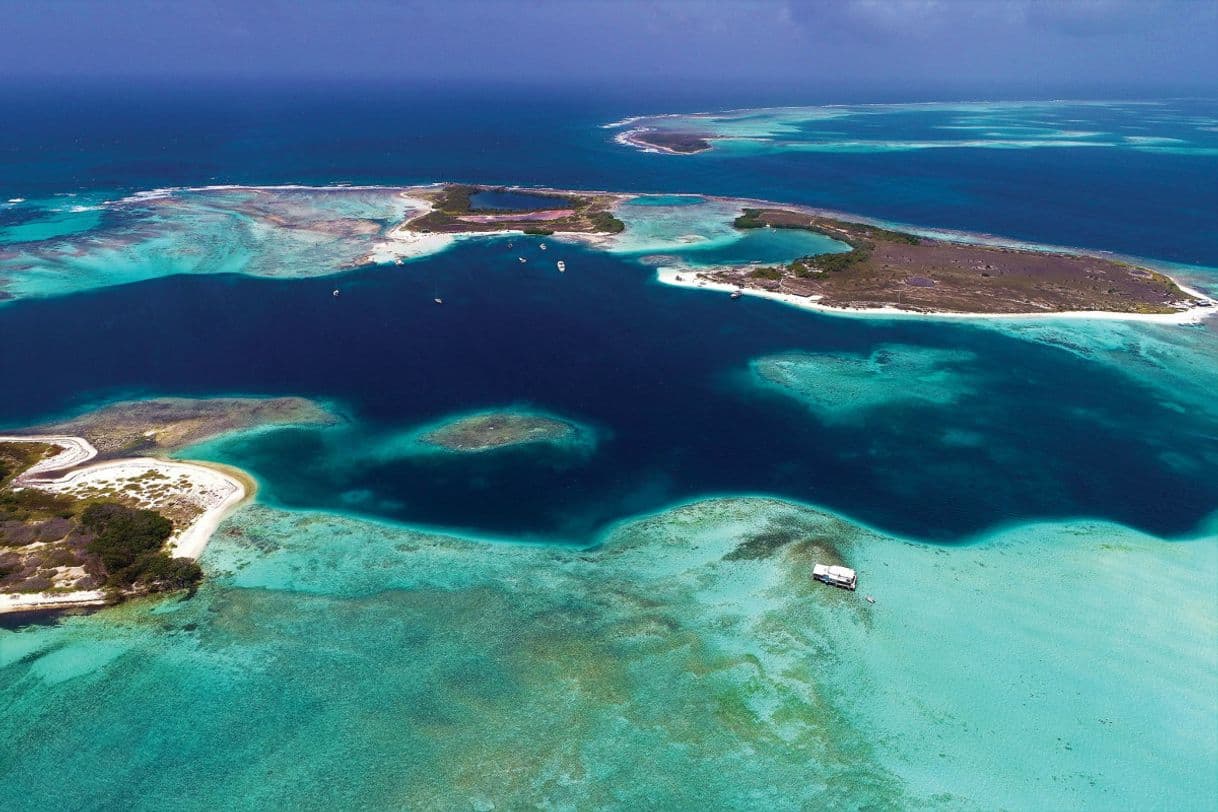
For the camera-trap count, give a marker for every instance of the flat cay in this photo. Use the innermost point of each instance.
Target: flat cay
(503, 428)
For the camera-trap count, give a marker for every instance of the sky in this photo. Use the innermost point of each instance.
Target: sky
(1047, 44)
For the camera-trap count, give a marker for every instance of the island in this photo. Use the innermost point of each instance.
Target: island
(503, 428)
(670, 143)
(866, 267)
(890, 270)
(878, 269)
(84, 524)
(539, 211)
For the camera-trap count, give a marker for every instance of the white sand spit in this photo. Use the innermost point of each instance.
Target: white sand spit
(206, 494)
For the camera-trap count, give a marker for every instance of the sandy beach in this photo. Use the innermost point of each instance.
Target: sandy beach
(11, 604)
(76, 451)
(201, 493)
(689, 278)
(213, 492)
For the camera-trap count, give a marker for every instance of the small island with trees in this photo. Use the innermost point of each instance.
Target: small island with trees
(541, 212)
(889, 269)
(670, 143)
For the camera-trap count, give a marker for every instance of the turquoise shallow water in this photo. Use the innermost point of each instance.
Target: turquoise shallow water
(334, 661)
(34, 220)
(1142, 126)
(659, 649)
(285, 233)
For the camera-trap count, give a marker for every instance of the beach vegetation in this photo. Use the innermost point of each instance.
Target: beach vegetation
(832, 262)
(17, 457)
(769, 272)
(455, 199)
(605, 222)
(31, 503)
(452, 205)
(750, 219)
(128, 543)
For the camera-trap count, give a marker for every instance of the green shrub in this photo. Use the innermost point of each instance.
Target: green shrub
(125, 540)
(605, 222)
(750, 219)
(766, 273)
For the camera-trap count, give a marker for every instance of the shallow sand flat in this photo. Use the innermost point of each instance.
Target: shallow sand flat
(689, 649)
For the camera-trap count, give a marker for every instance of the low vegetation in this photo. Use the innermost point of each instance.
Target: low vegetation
(681, 143)
(452, 212)
(887, 268)
(129, 543)
(54, 543)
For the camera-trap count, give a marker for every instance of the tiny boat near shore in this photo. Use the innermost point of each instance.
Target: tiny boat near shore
(736, 294)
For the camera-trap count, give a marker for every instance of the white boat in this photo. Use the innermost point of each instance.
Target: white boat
(336, 293)
(562, 266)
(438, 300)
(834, 575)
(543, 246)
(736, 294)
(522, 259)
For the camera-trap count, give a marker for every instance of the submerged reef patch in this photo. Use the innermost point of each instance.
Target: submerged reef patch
(496, 429)
(842, 387)
(687, 659)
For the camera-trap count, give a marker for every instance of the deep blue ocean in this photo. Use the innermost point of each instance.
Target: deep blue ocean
(136, 136)
(366, 634)
(659, 373)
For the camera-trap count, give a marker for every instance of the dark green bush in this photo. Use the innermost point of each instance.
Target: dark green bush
(128, 542)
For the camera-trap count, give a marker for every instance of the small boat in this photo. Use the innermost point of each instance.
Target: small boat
(543, 246)
(336, 293)
(562, 266)
(438, 300)
(736, 294)
(522, 259)
(397, 261)
(870, 599)
(833, 575)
